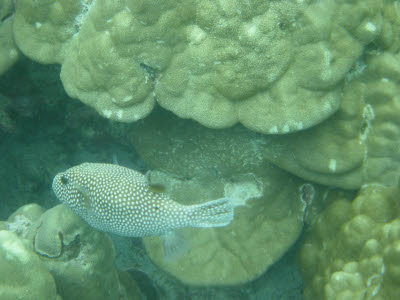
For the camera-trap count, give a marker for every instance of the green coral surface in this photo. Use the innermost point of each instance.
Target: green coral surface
(274, 66)
(353, 251)
(361, 143)
(203, 164)
(55, 250)
(23, 276)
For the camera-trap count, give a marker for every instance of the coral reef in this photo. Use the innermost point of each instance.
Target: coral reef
(353, 250)
(274, 66)
(260, 234)
(287, 107)
(360, 144)
(56, 250)
(23, 274)
(201, 164)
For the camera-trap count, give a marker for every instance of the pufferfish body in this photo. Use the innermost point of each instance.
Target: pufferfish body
(119, 200)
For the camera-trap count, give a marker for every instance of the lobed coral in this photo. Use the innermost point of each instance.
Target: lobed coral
(360, 144)
(55, 250)
(23, 276)
(274, 66)
(353, 251)
(201, 164)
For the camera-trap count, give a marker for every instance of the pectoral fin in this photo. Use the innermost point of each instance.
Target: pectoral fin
(154, 187)
(157, 188)
(176, 245)
(85, 196)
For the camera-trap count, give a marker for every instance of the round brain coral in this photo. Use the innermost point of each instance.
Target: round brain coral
(274, 66)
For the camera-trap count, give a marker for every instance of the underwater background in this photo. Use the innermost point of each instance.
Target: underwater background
(290, 109)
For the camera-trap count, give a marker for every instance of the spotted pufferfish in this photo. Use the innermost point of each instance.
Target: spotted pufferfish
(119, 200)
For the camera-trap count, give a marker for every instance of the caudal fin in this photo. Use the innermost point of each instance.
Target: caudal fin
(216, 213)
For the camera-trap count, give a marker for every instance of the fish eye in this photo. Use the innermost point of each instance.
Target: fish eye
(64, 180)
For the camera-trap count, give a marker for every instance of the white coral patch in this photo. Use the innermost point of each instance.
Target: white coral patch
(242, 189)
(13, 53)
(14, 248)
(127, 99)
(332, 165)
(286, 128)
(107, 113)
(195, 34)
(273, 130)
(251, 30)
(300, 125)
(327, 105)
(368, 112)
(370, 27)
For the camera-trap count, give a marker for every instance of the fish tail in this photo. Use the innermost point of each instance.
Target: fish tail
(216, 213)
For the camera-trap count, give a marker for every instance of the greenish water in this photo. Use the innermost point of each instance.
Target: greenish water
(287, 111)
